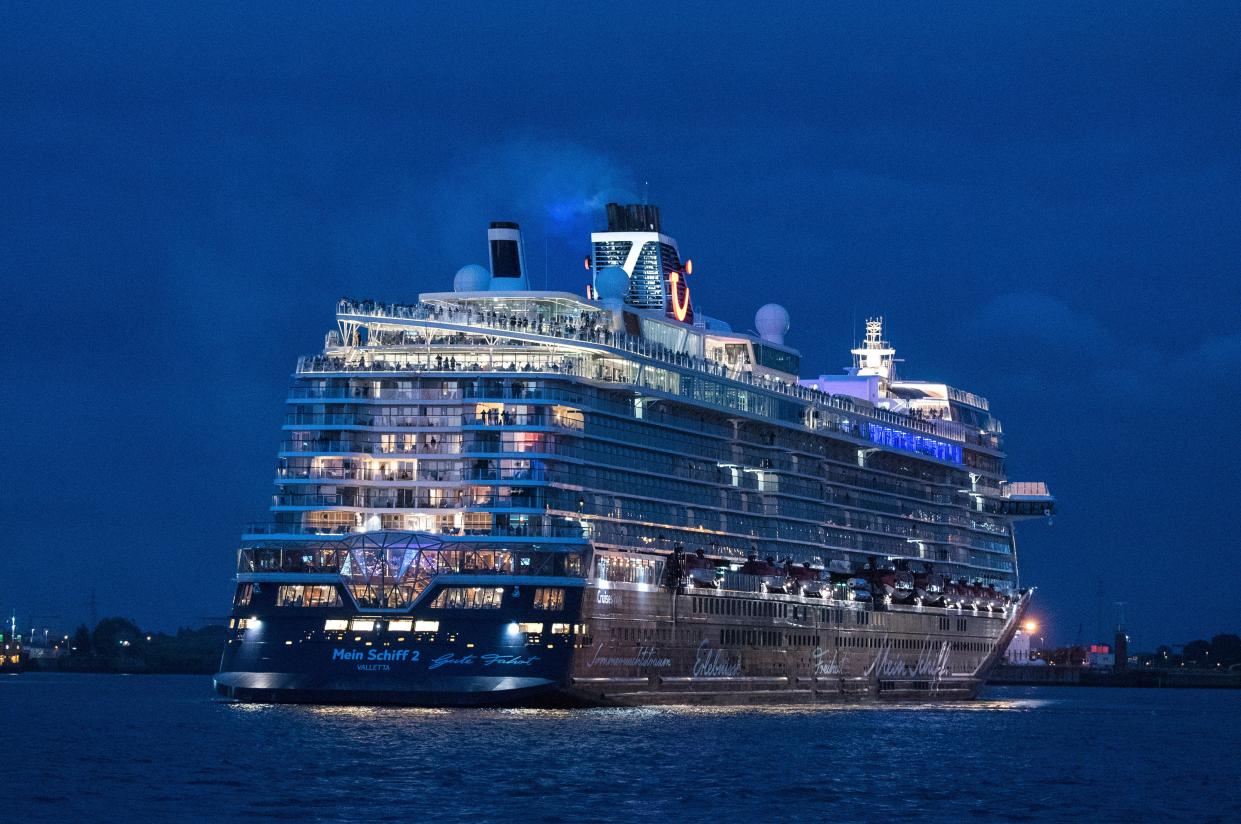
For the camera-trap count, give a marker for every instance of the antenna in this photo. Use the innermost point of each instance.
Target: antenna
(646, 191)
(1120, 626)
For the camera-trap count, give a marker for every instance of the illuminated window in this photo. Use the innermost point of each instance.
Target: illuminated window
(362, 624)
(318, 595)
(244, 592)
(335, 625)
(632, 570)
(529, 627)
(402, 625)
(426, 626)
(468, 598)
(560, 629)
(548, 598)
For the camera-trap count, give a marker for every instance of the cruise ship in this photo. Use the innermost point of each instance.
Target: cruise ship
(501, 496)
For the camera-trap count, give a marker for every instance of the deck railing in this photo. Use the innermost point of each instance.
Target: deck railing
(586, 329)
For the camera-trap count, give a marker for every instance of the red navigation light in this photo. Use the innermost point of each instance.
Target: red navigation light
(689, 267)
(586, 262)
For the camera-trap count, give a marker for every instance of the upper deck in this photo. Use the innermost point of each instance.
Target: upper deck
(574, 325)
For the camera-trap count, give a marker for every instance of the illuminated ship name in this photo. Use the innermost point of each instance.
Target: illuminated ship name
(931, 664)
(899, 439)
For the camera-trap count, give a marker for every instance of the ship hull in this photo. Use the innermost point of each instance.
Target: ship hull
(632, 646)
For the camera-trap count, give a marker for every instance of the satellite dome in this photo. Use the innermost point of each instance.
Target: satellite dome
(772, 322)
(471, 278)
(611, 283)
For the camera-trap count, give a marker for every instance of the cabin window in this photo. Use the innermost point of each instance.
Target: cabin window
(314, 595)
(468, 598)
(549, 598)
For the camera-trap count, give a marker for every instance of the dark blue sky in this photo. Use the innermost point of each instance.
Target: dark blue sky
(1043, 202)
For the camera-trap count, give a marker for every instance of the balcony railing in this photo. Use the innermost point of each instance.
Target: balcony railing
(495, 419)
(587, 330)
(541, 531)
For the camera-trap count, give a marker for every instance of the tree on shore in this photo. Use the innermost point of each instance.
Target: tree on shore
(81, 641)
(116, 638)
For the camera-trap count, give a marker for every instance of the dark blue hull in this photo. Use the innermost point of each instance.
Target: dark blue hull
(475, 660)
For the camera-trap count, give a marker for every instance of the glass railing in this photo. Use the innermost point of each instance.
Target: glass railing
(391, 565)
(587, 330)
(561, 531)
(506, 503)
(488, 419)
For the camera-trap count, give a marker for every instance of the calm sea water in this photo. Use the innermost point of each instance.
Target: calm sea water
(145, 748)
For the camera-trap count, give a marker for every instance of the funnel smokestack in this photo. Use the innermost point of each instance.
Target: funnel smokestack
(508, 257)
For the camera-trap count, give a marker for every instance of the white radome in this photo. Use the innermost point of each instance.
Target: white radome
(471, 278)
(772, 322)
(612, 283)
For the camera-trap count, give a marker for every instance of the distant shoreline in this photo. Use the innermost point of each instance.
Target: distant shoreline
(1053, 676)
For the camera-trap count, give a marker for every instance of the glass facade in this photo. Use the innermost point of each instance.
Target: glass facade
(510, 438)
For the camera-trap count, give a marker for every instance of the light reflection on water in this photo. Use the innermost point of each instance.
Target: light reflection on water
(154, 749)
(641, 713)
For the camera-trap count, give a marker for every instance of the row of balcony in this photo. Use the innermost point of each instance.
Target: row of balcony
(487, 419)
(642, 348)
(544, 530)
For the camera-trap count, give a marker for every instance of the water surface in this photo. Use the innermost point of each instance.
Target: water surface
(148, 748)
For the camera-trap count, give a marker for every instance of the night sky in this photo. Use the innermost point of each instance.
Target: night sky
(1044, 203)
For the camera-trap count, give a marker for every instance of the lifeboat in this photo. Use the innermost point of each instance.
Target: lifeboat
(804, 579)
(702, 571)
(904, 592)
(772, 577)
(929, 589)
(859, 589)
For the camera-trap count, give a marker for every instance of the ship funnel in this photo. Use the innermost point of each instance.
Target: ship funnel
(508, 257)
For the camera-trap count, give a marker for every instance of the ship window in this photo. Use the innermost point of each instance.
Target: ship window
(468, 598)
(402, 625)
(244, 592)
(426, 626)
(550, 598)
(316, 595)
(529, 626)
(362, 624)
(560, 629)
(629, 570)
(335, 625)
